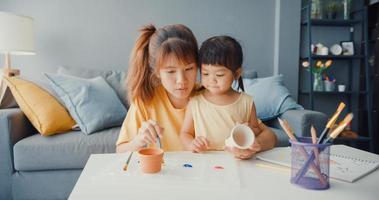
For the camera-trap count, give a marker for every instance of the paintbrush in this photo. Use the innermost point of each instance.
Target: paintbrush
(331, 122)
(160, 146)
(339, 128)
(128, 161)
(159, 142)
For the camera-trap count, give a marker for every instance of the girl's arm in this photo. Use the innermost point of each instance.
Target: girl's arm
(254, 123)
(265, 137)
(187, 134)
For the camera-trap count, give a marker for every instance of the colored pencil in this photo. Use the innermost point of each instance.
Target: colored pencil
(314, 141)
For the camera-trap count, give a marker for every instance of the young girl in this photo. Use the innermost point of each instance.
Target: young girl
(212, 113)
(161, 76)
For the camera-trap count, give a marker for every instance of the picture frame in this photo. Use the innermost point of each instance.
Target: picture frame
(347, 48)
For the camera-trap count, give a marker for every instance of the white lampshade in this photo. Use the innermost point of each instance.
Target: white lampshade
(16, 34)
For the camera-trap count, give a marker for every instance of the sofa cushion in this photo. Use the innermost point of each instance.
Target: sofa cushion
(281, 136)
(63, 151)
(46, 114)
(270, 96)
(91, 102)
(115, 78)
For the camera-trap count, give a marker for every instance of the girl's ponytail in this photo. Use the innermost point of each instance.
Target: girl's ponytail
(240, 84)
(140, 75)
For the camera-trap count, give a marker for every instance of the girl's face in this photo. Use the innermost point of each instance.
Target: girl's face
(217, 79)
(178, 78)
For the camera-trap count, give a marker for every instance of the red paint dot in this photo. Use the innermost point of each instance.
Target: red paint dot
(218, 167)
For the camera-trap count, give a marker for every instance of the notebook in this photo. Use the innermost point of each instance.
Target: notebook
(346, 163)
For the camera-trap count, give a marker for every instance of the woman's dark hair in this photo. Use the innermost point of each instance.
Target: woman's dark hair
(152, 48)
(224, 51)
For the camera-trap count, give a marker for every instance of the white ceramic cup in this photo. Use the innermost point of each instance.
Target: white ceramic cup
(241, 137)
(324, 51)
(329, 86)
(341, 88)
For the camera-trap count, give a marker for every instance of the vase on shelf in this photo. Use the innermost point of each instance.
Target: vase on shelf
(331, 9)
(346, 9)
(316, 9)
(318, 84)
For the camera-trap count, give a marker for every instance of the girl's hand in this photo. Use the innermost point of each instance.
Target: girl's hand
(147, 134)
(244, 154)
(199, 144)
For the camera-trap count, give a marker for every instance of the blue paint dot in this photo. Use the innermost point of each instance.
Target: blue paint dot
(187, 165)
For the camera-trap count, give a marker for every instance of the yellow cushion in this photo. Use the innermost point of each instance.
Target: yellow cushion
(46, 114)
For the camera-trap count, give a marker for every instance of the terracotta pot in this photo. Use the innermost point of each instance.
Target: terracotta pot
(150, 159)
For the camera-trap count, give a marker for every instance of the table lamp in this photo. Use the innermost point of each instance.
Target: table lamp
(16, 38)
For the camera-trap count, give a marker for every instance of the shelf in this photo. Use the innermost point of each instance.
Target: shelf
(332, 22)
(333, 93)
(360, 138)
(341, 57)
(354, 65)
(370, 41)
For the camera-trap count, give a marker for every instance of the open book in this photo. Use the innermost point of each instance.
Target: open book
(346, 163)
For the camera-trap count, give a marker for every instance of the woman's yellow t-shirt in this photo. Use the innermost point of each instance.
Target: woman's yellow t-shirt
(159, 109)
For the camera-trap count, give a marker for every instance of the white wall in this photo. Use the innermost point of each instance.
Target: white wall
(101, 33)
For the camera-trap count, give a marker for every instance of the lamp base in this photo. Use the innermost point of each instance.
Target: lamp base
(6, 98)
(7, 72)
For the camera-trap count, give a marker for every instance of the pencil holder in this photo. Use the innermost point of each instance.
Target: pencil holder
(310, 164)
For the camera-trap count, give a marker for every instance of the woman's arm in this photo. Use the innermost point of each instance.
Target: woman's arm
(147, 134)
(137, 130)
(265, 137)
(126, 146)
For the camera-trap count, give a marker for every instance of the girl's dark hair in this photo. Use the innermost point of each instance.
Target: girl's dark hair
(152, 48)
(224, 51)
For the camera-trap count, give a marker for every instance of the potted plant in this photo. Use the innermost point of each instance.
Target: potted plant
(332, 9)
(317, 71)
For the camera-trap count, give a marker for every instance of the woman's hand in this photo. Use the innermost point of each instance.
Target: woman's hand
(244, 154)
(147, 134)
(199, 144)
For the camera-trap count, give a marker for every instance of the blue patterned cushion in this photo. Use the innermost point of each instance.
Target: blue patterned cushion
(92, 103)
(115, 78)
(270, 96)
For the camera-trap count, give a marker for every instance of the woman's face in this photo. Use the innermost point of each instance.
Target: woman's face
(178, 78)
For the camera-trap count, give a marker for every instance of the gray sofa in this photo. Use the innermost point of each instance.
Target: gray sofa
(37, 167)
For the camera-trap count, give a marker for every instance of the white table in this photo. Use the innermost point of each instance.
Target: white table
(256, 182)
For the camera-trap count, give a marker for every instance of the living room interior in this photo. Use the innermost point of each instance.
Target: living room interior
(63, 94)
